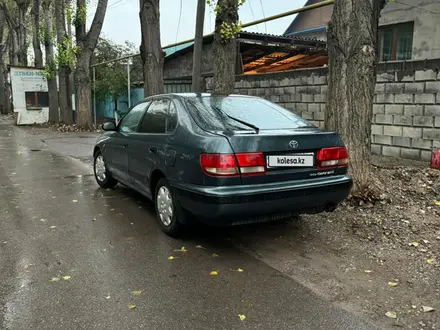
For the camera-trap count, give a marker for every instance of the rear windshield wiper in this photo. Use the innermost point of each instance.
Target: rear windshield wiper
(237, 120)
(244, 123)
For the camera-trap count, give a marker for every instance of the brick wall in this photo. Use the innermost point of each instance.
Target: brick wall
(406, 120)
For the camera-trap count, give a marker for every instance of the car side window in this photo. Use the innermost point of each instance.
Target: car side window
(131, 120)
(155, 119)
(171, 118)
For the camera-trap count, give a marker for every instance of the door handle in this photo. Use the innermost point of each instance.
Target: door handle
(153, 150)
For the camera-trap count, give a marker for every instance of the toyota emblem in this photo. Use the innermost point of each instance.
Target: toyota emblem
(293, 144)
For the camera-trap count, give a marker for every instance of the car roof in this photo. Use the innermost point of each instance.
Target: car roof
(191, 95)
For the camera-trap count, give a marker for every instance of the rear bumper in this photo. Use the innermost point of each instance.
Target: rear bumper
(234, 204)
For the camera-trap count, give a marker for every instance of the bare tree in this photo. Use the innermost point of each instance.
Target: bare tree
(48, 37)
(151, 50)
(225, 46)
(86, 41)
(16, 20)
(38, 54)
(63, 42)
(352, 48)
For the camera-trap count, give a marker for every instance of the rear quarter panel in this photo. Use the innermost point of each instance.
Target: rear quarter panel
(189, 142)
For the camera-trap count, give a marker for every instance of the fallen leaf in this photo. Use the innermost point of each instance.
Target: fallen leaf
(213, 273)
(240, 270)
(132, 306)
(54, 279)
(120, 214)
(131, 238)
(247, 303)
(53, 227)
(18, 152)
(214, 255)
(66, 278)
(94, 218)
(74, 201)
(367, 271)
(112, 210)
(391, 315)
(430, 261)
(436, 202)
(171, 258)
(182, 249)
(241, 317)
(199, 247)
(415, 244)
(136, 292)
(43, 220)
(107, 297)
(423, 250)
(414, 306)
(427, 309)
(392, 283)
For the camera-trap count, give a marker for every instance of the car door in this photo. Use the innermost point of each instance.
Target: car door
(151, 143)
(116, 148)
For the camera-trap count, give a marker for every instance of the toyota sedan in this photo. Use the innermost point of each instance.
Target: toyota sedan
(222, 159)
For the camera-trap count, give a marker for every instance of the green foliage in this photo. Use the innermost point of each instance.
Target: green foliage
(111, 78)
(66, 53)
(69, 12)
(80, 17)
(228, 30)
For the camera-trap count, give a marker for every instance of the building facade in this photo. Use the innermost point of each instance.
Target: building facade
(408, 29)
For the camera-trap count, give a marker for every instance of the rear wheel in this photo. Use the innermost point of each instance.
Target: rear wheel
(168, 211)
(102, 175)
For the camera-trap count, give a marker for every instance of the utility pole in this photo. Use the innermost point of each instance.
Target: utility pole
(198, 45)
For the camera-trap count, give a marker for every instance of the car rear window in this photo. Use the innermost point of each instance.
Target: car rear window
(215, 112)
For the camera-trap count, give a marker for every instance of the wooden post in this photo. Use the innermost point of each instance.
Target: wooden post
(198, 45)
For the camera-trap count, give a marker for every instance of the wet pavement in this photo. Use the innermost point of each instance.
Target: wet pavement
(71, 254)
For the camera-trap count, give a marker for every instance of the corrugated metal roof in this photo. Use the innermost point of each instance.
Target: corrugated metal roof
(171, 50)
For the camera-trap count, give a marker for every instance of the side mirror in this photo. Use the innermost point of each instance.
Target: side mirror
(109, 126)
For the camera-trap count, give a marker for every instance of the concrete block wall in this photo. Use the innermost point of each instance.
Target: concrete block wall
(406, 119)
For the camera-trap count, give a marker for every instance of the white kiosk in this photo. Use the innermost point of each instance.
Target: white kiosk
(29, 95)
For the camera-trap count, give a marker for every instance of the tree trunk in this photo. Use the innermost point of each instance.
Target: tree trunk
(54, 116)
(87, 43)
(3, 107)
(38, 54)
(13, 58)
(70, 78)
(22, 33)
(198, 48)
(225, 51)
(66, 114)
(83, 91)
(352, 49)
(151, 49)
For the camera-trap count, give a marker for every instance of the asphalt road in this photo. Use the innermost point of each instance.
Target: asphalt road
(71, 254)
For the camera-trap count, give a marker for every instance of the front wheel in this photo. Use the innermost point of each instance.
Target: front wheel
(102, 175)
(169, 213)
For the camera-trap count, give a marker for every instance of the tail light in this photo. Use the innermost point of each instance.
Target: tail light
(332, 157)
(224, 165)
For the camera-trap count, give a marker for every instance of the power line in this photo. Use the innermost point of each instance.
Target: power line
(264, 14)
(180, 18)
(252, 12)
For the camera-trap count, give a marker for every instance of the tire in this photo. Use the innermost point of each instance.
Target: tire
(105, 179)
(170, 220)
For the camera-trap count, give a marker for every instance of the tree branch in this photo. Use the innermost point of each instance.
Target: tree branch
(98, 21)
